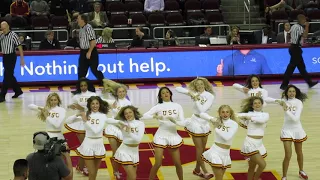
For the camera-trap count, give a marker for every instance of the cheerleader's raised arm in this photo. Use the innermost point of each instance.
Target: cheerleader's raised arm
(260, 118)
(35, 107)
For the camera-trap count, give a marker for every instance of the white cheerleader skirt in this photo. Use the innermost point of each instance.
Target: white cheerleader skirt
(112, 131)
(91, 148)
(127, 155)
(58, 135)
(253, 146)
(217, 157)
(197, 126)
(166, 139)
(296, 135)
(77, 127)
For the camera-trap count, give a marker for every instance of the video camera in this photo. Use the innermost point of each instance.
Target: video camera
(54, 148)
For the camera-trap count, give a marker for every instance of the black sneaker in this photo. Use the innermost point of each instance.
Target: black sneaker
(16, 95)
(313, 84)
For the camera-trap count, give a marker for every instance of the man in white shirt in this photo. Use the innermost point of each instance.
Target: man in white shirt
(284, 37)
(153, 5)
(265, 36)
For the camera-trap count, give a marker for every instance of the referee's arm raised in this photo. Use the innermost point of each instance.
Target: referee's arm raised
(92, 39)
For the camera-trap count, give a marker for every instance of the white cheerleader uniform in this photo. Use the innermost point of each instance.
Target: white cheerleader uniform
(197, 126)
(166, 135)
(254, 92)
(292, 128)
(112, 131)
(126, 154)
(256, 127)
(54, 121)
(216, 156)
(92, 145)
(80, 99)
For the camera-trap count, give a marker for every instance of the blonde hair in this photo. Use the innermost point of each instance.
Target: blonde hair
(207, 85)
(120, 115)
(42, 115)
(107, 34)
(232, 114)
(112, 87)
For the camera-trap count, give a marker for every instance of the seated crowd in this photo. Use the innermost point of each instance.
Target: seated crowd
(109, 15)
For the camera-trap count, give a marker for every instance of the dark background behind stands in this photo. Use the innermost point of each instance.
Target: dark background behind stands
(176, 13)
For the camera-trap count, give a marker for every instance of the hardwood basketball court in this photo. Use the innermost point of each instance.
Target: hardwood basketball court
(18, 124)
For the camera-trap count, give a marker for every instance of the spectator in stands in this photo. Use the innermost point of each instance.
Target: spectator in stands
(39, 8)
(171, 39)
(41, 168)
(243, 62)
(59, 7)
(265, 36)
(310, 5)
(153, 5)
(106, 36)
(98, 18)
(72, 19)
(50, 42)
(284, 37)
(78, 6)
(293, 5)
(137, 41)
(73, 43)
(279, 6)
(22, 41)
(19, 12)
(207, 32)
(20, 169)
(234, 36)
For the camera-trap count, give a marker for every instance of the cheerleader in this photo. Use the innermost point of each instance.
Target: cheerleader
(201, 92)
(113, 133)
(128, 153)
(292, 130)
(166, 135)
(92, 149)
(256, 121)
(52, 114)
(81, 95)
(253, 87)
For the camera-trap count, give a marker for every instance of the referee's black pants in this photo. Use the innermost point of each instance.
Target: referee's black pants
(93, 63)
(296, 60)
(9, 62)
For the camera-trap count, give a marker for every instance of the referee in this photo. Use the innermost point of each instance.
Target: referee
(297, 32)
(9, 41)
(89, 56)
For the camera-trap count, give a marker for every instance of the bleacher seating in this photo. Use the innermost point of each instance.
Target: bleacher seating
(176, 13)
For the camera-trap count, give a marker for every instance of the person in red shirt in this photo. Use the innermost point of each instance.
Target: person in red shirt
(19, 12)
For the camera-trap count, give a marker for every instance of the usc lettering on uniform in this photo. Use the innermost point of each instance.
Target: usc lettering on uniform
(94, 121)
(223, 128)
(202, 101)
(53, 115)
(169, 112)
(134, 130)
(83, 99)
(292, 108)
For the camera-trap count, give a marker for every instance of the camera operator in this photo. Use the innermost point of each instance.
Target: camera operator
(42, 165)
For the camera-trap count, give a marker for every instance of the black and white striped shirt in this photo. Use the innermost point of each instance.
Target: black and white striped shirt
(296, 34)
(9, 42)
(86, 35)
